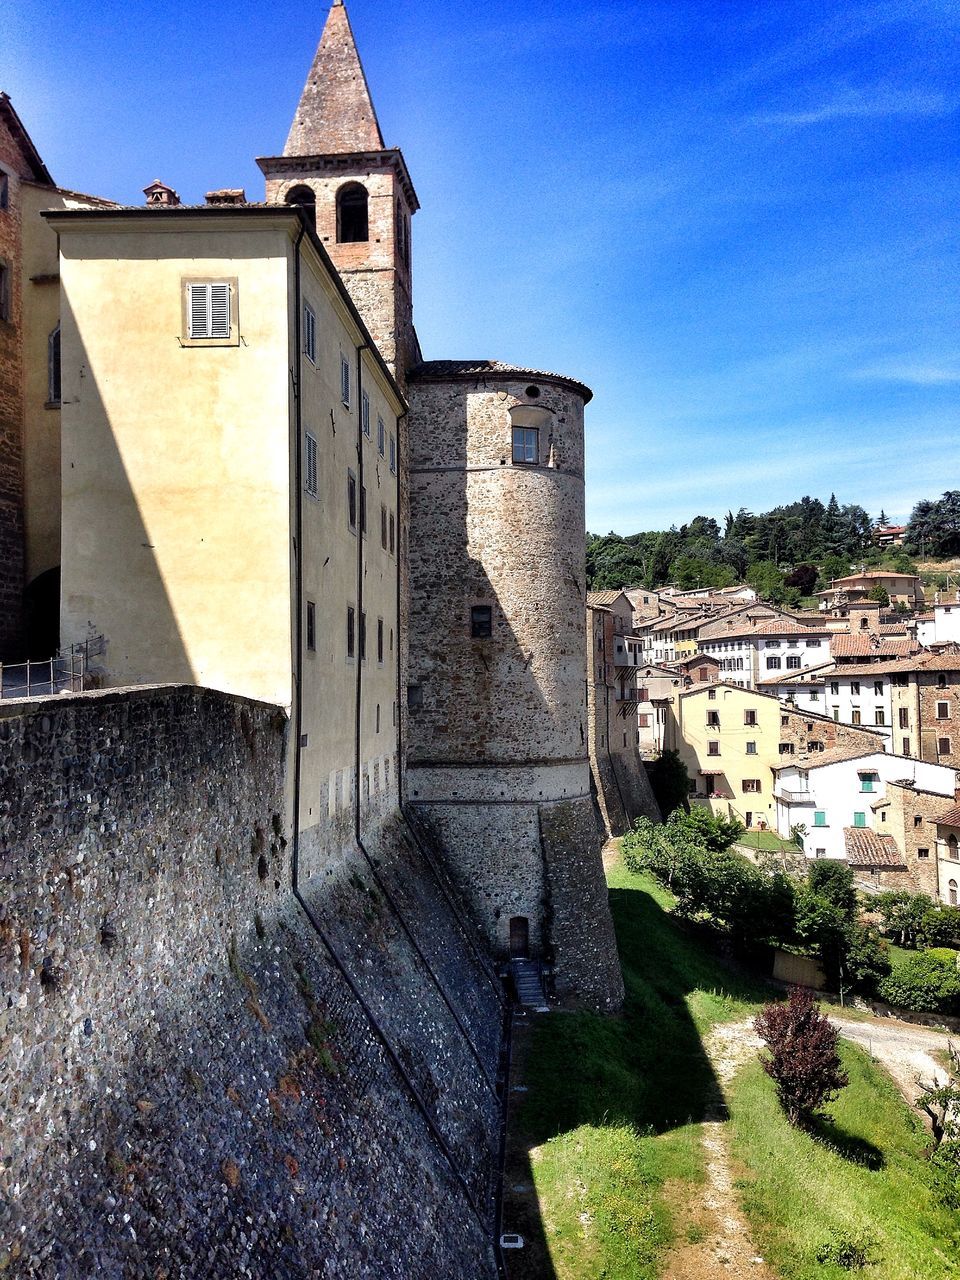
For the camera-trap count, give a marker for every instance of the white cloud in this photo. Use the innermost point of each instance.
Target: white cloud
(875, 103)
(917, 373)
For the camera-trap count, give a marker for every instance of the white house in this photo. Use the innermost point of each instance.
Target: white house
(840, 795)
(941, 626)
(751, 648)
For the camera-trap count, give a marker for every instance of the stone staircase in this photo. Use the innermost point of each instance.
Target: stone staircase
(528, 983)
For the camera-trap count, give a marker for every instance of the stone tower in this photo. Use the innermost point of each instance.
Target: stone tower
(335, 163)
(496, 731)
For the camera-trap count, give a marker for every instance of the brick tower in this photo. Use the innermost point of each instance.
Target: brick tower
(335, 163)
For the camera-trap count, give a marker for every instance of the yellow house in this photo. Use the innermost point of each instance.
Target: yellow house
(230, 482)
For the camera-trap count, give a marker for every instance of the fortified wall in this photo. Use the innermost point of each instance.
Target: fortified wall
(203, 1081)
(497, 760)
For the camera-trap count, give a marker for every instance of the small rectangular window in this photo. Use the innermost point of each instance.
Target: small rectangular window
(311, 626)
(905, 747)
(365, 413)
(363, 510)
(879, 717)
(773, 664)
(903, 718)
(363, 636)
(835, 687)
(878, 688)
(310, 464)
(751, 748)
(5, 276)
(481, 621)
(380, 641)
(943, 746)
(344, 379)
(819, 818)
(749, 717)
(855, 715)
(860, 819)
(309, 333)
(751, 785)
(4, 190)
(854, 688)
(526, 444)
(793, 661)
(393, 454)
(393, 531)
(381, 435)
(943, 710)
(53, 367)
(923, 853)
(208, 309)
(917, 820)
(713, 748)
(867, 780)
(351, 630)
(713, 718)
(383, 526)
(352, 501)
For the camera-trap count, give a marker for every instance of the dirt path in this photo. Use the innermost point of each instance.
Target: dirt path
(721, 1244)
(905, 1050)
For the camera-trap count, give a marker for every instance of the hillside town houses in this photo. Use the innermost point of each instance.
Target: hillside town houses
(838, 727)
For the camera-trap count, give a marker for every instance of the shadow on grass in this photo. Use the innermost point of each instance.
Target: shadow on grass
(847, 1145)
(646, 1070)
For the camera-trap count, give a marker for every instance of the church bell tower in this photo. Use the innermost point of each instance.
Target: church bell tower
(358, 191)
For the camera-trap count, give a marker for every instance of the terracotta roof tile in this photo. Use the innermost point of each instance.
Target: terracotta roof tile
(949, 819)
(867, 848)
(451, 370)
(603, 597)
(860, 646)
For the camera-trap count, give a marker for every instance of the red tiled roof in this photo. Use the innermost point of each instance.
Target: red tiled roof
(866, 646)
(949, 819)
(866, 848)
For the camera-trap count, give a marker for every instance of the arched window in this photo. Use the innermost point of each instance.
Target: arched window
(53, 367)
(952, 892)
(306, 197)
(352, 221)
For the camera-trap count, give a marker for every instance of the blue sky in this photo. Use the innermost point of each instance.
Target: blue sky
(737, 222)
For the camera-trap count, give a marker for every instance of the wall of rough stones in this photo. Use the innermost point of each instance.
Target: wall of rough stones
(189, 1084)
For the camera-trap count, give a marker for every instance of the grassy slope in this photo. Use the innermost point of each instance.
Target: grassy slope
(800, 1193)
(614, 1106)
(614, 1103)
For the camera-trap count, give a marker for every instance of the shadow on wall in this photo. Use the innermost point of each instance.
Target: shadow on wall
(111, 580)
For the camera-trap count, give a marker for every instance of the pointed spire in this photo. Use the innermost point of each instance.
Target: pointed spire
(336, 114)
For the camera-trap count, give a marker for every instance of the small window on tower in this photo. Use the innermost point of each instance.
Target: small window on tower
(481, 622)
(352, 222)
(526, 445)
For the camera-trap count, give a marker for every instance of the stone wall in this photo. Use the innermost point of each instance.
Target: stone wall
(190, 1085)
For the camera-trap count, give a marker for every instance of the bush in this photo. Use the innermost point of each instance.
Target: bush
(945, 1173)
(867, 959)
(833, 880)
(849, 1252)
(803, 1062)
(923, 982)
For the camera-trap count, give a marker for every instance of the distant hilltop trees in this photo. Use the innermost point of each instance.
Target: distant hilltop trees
(784, 553)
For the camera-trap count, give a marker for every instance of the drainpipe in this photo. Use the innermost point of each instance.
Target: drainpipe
(362, 637)
(298, 557)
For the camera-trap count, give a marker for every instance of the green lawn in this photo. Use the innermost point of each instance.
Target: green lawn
(864, 1174)
(614, 1104)
(768, 841)
(613, 1114)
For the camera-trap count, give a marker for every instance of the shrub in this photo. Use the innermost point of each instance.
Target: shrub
(833, 880)
(803, 1061)
(923, 982)
(945, 1173)
(867, 959)
(849, 1252)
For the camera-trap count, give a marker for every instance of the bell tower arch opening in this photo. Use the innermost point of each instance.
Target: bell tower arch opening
(353, 218)
(306, 197)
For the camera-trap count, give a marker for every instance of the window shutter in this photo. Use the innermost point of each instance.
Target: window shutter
(197, 308)
(219, 310)
(311, 467)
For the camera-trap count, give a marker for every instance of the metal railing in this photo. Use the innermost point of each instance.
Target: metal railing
(67, 672)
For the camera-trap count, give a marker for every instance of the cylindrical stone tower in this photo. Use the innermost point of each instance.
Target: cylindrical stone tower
(497, 753)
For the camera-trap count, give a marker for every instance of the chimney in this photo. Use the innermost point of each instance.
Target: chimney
(159, 195)
(227, 195)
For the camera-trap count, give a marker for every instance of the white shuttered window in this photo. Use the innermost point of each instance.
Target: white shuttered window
(309, 333)
(208, 309)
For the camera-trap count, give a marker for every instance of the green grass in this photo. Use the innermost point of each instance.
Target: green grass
(768, 841)
(864, 1174)
(614, 1103)
(614, 1109)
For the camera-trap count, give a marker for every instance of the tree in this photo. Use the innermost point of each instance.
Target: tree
(833, 880)
(669, 781)
(880, 595)
(804, 578)
(803, 1062)
(767, 580)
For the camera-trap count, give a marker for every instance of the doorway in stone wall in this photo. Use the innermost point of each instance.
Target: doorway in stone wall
(519, 937)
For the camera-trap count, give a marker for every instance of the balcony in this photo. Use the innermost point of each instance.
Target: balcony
(792, 795)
